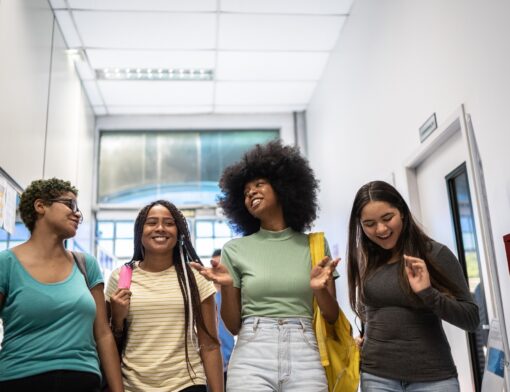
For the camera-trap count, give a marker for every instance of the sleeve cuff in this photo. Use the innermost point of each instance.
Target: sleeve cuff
(427, 296)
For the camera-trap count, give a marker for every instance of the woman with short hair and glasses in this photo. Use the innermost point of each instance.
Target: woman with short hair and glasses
(55, 326)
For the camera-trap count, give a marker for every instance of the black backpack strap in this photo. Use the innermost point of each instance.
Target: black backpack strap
(81, 263)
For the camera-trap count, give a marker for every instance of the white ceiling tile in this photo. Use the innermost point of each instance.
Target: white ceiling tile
(279, 32)
(103, 58)
(177, 109)
(263, 93)
(270, 65)
(56, 4)
(100, 110)
(68, 29)
(146, 30)
(93, 93)
(149, 93)
(259, 108)
(288, 6)
(145, 5)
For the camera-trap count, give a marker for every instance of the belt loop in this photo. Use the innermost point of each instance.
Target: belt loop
(302, 324)
(256, 323)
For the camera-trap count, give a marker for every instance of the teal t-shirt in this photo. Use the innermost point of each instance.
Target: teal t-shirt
(47, 326)
(272, 269)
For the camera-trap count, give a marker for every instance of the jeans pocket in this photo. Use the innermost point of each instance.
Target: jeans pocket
(310, 339)
(247, 335)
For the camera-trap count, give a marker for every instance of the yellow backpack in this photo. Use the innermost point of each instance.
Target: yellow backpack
(339, 353)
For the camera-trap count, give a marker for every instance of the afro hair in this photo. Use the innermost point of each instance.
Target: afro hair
(289, 174)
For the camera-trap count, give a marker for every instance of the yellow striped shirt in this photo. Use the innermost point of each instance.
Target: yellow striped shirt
(154, 357)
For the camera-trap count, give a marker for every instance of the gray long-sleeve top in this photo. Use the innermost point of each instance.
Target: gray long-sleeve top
(404, 337)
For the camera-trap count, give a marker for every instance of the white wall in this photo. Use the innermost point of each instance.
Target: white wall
(396, 63)
(284, 122)
(46, 124)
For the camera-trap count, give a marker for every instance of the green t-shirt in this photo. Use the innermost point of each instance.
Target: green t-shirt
(47, 326)
(272, 269)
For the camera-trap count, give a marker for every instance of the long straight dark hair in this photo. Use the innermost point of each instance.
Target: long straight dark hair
(184, 272)
(364, 256)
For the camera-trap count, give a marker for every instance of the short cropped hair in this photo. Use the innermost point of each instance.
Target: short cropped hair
(45, 190)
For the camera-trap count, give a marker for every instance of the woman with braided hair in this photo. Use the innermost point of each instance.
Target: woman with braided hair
(169, 310)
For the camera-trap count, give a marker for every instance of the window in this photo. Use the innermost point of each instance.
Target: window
(210, 235)
(20, 235)
(115, 238)
(181, 166)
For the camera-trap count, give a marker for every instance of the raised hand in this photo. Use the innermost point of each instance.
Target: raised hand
(417, 273)
(322, 273)
(218, 273)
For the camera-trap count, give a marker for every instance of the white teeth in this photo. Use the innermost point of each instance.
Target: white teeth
(255, 202)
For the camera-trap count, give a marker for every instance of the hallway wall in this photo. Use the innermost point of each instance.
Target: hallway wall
(396, 63)
(46, 123)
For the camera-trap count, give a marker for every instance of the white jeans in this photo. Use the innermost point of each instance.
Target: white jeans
(276, 355)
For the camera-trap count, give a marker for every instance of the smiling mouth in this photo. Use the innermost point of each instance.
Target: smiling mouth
(385, 238)
(255, 202)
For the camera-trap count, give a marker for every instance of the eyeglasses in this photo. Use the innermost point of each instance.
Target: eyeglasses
(72, 204)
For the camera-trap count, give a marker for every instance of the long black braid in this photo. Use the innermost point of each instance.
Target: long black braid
(189, 255)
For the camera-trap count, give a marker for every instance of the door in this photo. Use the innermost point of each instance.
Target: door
(437, 222)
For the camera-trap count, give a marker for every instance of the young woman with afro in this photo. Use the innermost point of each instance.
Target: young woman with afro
(268, 285)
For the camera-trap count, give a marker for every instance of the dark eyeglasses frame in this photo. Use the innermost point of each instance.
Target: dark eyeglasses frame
(72, 204)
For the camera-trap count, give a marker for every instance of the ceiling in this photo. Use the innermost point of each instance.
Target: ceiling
(266, 55)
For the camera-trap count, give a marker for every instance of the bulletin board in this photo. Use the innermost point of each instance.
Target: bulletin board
(9, 193)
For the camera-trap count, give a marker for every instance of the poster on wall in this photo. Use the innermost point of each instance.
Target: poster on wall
(493, 377)
(10, 209)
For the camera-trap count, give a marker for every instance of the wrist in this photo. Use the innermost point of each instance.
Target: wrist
(117, 327)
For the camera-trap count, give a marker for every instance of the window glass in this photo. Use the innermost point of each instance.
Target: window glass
(181, 166)
(204, 228)
(124, 248)
(204, 247)
(222, 229)
(106, 245)
(125, 230)
(105, 229)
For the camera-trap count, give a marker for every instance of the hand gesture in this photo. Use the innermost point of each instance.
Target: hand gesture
(322, 273)
(417, 273)
(218, 273)
(119, 303)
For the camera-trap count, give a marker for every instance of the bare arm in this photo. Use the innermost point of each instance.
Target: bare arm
(209, 349)
(105, 343)
(230, 295)
(231, 308)
(323, 287)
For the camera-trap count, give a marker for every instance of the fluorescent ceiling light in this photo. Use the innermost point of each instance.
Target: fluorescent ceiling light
(154, 74)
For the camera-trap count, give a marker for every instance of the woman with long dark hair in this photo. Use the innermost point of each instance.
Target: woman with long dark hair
(402, 284)
(268, 284)
(168, 314)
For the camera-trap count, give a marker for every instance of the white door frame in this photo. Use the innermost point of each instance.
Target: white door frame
(461, 122)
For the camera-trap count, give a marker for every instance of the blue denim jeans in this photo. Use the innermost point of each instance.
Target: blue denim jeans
(276, 355)
(372, 383)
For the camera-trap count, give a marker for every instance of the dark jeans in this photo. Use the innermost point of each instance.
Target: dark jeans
(195, 388)
(55, 381)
